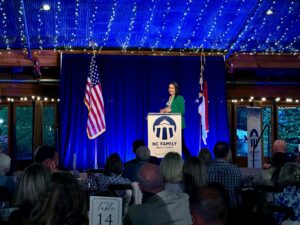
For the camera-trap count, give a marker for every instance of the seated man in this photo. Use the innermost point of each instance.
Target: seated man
(142, 157)
(47, 156)
(160, 206)
(135, 145)
(221, 171)
(6, 182)
(279, 146)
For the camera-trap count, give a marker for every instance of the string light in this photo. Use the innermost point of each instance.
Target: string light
(21, 24)
(264, 99)
(159, 36)
(181, 23)
(112, 18)
(198, 21)
(46, 7)
(25, 99)
(74, 32)
(165, 25)
(92, 24)
(57, 24)
(148, 23)
(4, 25)
(40, 41)
(131, 26)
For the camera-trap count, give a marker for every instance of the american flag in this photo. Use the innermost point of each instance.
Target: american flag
(94, 101)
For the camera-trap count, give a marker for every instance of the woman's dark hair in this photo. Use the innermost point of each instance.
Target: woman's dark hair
(176, 86)
(113, 165)
(221, 149)
(136, 144)
(278, 160)
(209, 205)
(32, 184)
(64, 202)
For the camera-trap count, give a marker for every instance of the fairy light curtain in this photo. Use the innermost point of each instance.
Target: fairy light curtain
(132, 87)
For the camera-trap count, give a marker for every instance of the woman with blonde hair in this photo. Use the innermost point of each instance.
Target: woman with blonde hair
(195, 174)
(171, 168)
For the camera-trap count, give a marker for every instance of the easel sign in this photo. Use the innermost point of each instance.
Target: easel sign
(105, 210)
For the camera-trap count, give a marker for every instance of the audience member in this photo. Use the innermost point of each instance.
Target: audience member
(208, 207)
(63, 202)
(135, 145)
(6, 181)
(161, 207)
(195, 174)
(142, 157)
(289, 180)
(113, 170)
(47, 156)
(222, 172)
(5, 162)
(171, 168)
(279, 145)
(205, 156)
(31, 186)
(270, 176)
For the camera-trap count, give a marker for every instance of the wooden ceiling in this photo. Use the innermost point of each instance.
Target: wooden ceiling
(242, 79)
(50, 58)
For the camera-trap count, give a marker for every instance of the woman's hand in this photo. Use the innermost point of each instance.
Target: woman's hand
(165, 110)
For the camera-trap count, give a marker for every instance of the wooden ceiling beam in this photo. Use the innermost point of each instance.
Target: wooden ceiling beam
(50, 58)
(19, 58)
(250, 61)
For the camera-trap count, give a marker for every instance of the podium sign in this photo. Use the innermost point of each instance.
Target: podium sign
(164, 133)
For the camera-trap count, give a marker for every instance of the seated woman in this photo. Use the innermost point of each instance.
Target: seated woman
(205, 156)
(171, 168)
(113, 170)
(31, 187)
(289, 180)
(195, 174)
(64, 202)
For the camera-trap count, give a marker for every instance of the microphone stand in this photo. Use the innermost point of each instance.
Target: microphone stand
(258, 140)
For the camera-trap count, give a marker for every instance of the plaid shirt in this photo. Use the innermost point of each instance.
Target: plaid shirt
(229, 175)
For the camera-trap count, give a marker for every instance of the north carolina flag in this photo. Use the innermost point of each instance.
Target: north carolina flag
(203, 111)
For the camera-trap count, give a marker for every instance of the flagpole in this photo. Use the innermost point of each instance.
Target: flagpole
(95, 154)
(200, 136)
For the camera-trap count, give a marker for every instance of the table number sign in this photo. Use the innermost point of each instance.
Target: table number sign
(105, 210)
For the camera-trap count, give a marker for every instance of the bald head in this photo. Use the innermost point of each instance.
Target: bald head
(279, 146)
(150, 178)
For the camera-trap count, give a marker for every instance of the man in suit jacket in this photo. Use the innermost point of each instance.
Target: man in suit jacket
(160, 206)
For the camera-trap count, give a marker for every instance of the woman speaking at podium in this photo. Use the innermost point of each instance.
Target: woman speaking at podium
(176, 104)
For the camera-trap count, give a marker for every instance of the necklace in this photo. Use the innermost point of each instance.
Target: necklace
(170, 101)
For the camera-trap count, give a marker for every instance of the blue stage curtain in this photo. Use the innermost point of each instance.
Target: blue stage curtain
(132, 87)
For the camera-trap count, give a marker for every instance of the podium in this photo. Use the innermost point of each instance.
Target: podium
(164, 133)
